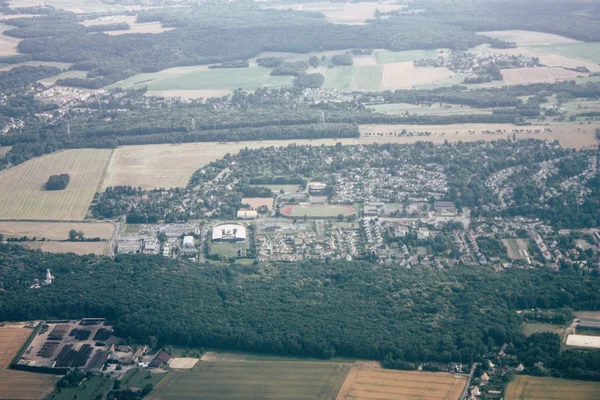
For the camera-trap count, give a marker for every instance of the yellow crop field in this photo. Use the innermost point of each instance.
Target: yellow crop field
(532, 387)
(370, 382)
(523, 76)
(18, 384)
(22, 193)
(55, 230)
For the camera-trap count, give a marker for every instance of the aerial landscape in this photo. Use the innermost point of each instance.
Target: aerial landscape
(300, 199)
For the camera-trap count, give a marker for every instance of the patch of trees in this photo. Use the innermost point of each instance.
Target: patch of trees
(313, 81)
(269, 62)
(255, 191)
(231, 64)
(19, 77)
(492, 247)
(72, 379)
(295, 68)
(352, 310)
(342, 59)
(57, 182)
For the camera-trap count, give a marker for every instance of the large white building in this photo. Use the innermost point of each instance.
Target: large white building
(229, 233)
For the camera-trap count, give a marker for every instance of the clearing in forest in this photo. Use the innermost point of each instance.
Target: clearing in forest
(373, 382)
(516, 248)
(533, 387)
(339, 12)
(23, 196)
(19, 384)
(224, 380)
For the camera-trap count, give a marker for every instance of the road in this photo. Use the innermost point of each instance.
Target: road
(465, 392)
(112, 250)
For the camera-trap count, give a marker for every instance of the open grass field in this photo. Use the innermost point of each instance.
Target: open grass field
(67, 74)
(131, 20)
(8, 45)
(526, 38)
(531, 387)
(531, 328)
(316, 210)
(368, 382)
(516, 248)
(22, 193)
(19, 385)
(253, 380)
(4, 150)
(228, 250)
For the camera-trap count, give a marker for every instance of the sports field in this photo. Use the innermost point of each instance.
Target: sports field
(256, 202)
(531, 387)
(366, 382)
(516, 248)
(18, 384)
(316, 210)
(253, 380)
(22, 193)
(531, 328)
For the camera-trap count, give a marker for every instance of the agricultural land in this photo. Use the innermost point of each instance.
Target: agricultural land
(370, 382)
(24, 197)
(19, 385)
(532, 387)
(254, 380)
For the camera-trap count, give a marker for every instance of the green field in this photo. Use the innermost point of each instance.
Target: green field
(228, 250)
(387, 57)
(67, 74)
(254, 380)
(531, 328)
(201, 78)
(355, 77)
(582, 51)
(434, 109)
(285, 188)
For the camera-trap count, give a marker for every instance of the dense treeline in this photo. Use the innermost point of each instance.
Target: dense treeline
(20, 77)
(341, 308)
(119, 26)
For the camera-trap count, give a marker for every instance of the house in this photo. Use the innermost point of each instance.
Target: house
(520, 368)
(423, 233)
(475, 391)
(188, 242)
(161, 359)
(484, 378)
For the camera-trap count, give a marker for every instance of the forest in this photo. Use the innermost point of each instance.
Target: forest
(311, 309)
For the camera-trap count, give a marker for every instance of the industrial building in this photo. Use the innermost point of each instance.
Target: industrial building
(229, 233)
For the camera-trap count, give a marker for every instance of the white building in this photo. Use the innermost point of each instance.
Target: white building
(229, 233)
(188, 242)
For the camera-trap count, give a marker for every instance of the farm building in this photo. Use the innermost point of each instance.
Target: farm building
(229, 233)
(589, 323)
(247, 214)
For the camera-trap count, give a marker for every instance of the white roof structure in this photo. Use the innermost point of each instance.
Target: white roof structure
(231, 232)
(188, 241)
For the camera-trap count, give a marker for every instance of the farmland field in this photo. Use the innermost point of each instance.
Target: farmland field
(55, 230)
(583, 51)
(523, 76)
(370, 382)
(23, 195)
(315, 210)
(19, 384)
(151, 166)
(8, 45)
(252, 380)
(529, 37)
(531, 387)
(434, 109)
(81, 248)
(389, 57)
(516, 248)
(340, 13)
